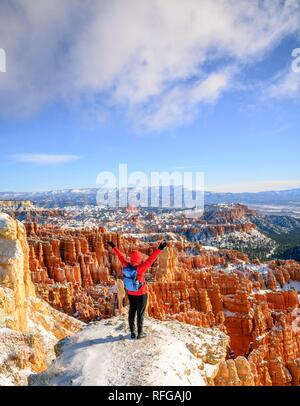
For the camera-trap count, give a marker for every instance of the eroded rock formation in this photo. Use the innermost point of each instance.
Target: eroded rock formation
(75, 272)
(29, 327)
(262, 323)
(72, 270)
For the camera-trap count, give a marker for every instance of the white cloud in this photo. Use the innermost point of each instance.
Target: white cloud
(45, 159)
(286, 85)
(254, 186)
(180, 105)
(148, 58)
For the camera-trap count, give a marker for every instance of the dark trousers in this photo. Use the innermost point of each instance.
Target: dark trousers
(137, 305)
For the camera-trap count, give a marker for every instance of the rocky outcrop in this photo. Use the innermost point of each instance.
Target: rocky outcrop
(235, 372)
(227, 213)
(16, 204)
(29, 327)
(14, 273)
(284, 271)
(275, 362)
(262, 324)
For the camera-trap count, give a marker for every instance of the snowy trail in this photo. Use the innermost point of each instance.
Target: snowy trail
(103, 354)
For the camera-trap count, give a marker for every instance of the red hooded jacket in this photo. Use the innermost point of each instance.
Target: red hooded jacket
(135, 259)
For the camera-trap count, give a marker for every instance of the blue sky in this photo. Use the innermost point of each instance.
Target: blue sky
(228, 107)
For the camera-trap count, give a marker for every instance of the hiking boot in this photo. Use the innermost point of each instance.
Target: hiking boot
(141, 335)
(132, 335)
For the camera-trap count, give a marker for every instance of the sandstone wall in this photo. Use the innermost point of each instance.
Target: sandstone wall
(29, 327)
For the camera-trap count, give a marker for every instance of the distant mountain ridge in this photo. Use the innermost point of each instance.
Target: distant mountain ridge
(87, 196)
(290, 196)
